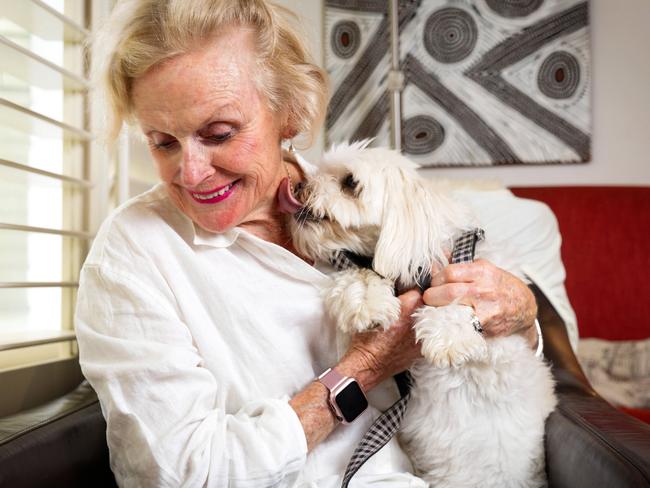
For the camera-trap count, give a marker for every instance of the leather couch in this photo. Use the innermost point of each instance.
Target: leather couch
(59, 444)
(589, 443)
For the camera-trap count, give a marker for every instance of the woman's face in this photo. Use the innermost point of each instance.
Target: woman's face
(214, 140)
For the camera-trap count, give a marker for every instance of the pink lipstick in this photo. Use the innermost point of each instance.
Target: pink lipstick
(213, 196)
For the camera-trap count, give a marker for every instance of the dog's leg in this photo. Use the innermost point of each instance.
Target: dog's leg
(448, 337)
(360, 299)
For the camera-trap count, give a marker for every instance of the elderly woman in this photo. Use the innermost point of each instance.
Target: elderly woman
(199, 326)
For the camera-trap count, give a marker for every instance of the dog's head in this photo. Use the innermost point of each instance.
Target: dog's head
(372, 202)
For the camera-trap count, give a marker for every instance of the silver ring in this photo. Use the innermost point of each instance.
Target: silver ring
(477, 324)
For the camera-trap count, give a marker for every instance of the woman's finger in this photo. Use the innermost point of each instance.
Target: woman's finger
(461, 272)
(409, 300)
(446, 294)
(437, 267)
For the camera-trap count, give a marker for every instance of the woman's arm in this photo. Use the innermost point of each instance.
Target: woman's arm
(372, 357)
(502, 302)
(167, 423)
(523, 234)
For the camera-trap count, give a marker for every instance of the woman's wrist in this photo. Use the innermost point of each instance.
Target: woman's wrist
(312, 408)
(354, 365)
(312, 404)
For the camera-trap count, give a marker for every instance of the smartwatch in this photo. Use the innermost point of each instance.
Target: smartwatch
(346, 399)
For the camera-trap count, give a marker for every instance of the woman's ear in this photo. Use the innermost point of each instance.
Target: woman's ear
(288, 133)
(288, 129)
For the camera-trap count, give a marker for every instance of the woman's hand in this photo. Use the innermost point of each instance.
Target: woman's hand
(379, 354)
(502, 302)
(371, 358)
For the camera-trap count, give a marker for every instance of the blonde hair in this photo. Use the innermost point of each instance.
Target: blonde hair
(140, 34)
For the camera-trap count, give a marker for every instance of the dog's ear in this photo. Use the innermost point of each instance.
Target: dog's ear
(415, 227)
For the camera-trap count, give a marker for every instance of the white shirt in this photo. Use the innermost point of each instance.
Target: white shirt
(195, 342)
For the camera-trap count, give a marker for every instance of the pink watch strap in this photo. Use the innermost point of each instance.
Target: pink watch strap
(331, 378)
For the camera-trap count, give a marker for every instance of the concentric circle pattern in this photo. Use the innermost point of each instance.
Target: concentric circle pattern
(422, 134)
(450, 35)
(514, 8)
(345, 38)
(559, 75)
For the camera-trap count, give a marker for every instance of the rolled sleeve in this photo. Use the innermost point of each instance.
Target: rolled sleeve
(543, 264)
(166, 424)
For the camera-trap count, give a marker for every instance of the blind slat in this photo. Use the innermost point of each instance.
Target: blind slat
(45, 230)
(80, 82)
(79, 133)
(36, 339)
(49, 174)
(38, 284)
(80, 31)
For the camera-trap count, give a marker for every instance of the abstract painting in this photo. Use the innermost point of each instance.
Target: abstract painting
(486, 82)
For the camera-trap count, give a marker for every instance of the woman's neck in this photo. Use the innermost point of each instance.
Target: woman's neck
(274, 227)
(275, 230)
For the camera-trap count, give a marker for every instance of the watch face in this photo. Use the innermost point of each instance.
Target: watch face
(351, 401)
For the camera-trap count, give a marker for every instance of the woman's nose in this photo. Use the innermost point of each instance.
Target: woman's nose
(195, 165)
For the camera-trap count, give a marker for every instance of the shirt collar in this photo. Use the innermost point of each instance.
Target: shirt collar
(203, 237)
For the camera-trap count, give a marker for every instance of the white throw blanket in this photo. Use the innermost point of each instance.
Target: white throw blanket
(618, 370)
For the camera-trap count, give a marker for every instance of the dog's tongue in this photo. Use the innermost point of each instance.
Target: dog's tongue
(286, 201)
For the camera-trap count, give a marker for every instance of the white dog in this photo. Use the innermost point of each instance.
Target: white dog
(478, 406)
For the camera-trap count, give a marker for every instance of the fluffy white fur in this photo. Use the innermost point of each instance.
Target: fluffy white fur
(477, 412)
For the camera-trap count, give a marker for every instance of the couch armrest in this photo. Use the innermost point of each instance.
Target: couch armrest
(60, 443)
(588, 442)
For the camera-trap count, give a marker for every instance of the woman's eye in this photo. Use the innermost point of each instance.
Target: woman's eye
(217, 132)
(163, 144)
(224, 136)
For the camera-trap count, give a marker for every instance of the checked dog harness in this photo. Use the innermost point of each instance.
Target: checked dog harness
(387, 424)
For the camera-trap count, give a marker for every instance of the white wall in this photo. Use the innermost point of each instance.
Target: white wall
(620, 34)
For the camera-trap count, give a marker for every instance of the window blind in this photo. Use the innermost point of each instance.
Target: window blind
(46, 175)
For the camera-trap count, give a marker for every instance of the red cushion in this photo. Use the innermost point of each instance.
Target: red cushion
(641, 414)
(606, 252)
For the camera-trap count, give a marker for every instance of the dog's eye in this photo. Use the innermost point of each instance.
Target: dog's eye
(349, 183)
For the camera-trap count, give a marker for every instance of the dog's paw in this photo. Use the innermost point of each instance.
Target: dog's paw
(360, 300)
(448, 337)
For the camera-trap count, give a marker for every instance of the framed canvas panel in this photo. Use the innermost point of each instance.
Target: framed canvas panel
(486, 82)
